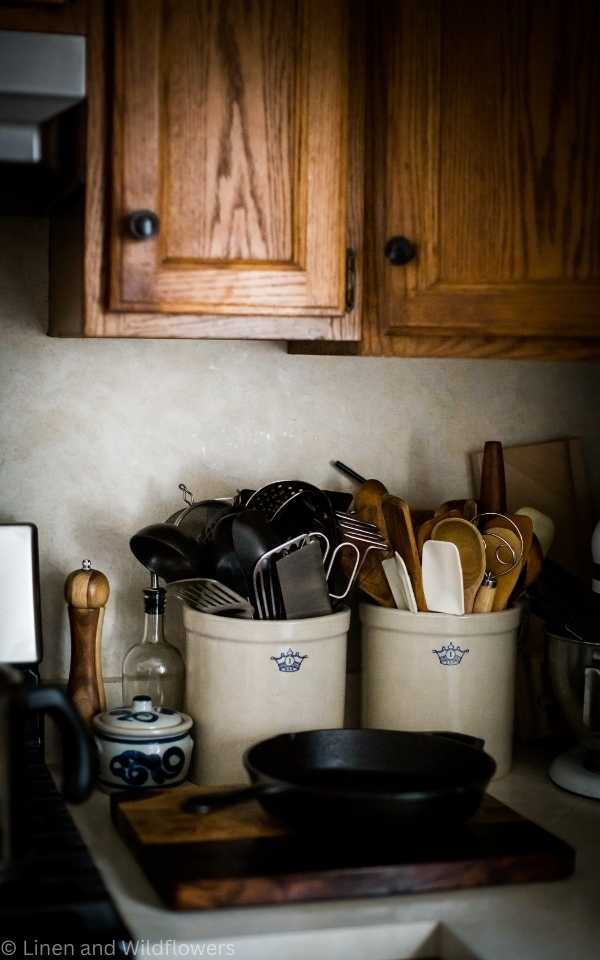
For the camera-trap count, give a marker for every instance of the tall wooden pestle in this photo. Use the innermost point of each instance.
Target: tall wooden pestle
(492, 493)
(86, 593)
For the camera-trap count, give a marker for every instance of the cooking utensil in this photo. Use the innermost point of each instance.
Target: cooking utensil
(442, 577)
(197, 516)
(86, 593)
(348, 471)
(301, 578)
(360, 538)
(498, 564)
(272, 496)
(400, 583)
(484, 598)
(471, 548)
(492, 491)
(165, 550)
(223, 563)
(267, 596)
(210, 596)
(543, 526)
(402, 539)
(371, 578)
(329, 781)
(303, 511)
(523, 527)
(465, 508)
(424, 531)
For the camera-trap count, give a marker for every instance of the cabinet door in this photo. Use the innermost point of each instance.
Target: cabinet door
(488, 138)
(230, 125)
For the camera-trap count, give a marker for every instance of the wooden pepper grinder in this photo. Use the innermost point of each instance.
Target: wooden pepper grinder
(86, 592)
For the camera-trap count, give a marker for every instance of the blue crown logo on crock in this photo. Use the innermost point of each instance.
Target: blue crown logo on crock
(289, 661)
(450, 656)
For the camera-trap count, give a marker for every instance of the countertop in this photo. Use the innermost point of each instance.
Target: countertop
(552, 921)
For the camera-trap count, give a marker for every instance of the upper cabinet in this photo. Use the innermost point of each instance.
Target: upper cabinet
(224, 188)
(484, 196)
(230, 127)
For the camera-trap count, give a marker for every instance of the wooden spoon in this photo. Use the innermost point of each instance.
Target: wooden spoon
(471, 549)
(401, 537)
(466, 508)
(498, 561)
(424, 531)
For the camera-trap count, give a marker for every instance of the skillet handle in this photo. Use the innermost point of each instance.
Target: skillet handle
(476, 742)
(207, 802)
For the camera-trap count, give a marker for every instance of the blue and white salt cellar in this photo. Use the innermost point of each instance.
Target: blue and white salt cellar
(143, 747)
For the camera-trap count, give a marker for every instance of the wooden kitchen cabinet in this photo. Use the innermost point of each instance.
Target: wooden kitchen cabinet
(483, 158)
(225, 177)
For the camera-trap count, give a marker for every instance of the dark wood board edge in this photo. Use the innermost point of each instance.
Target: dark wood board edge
(372, 881)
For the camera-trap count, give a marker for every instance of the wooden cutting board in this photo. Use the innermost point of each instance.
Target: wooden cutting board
(241, 856)
(552, 477)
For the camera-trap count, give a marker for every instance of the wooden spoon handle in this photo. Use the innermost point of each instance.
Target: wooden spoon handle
(484, 598)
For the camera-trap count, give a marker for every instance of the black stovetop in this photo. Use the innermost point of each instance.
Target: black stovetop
(57, 895)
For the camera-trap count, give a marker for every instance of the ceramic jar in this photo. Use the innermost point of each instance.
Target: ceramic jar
(143, 747)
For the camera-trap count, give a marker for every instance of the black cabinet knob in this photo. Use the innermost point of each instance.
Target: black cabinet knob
(399, 250)
(143, 224)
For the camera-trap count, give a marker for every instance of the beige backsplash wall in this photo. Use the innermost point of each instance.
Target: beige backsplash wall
(96, 435)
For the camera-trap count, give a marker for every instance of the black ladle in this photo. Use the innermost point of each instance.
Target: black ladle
(167, 552)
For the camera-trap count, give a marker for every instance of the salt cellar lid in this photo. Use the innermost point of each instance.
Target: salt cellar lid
(141, 719)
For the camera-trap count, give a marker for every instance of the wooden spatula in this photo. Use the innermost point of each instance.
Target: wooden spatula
(372, 579)
(471, 549)
(401, 537)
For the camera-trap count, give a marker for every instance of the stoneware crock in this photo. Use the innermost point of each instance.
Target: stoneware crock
(143, 747)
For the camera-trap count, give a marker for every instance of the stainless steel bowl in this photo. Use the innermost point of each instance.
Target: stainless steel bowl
(575, 677)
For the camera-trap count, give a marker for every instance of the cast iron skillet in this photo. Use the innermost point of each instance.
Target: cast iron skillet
(334, 779)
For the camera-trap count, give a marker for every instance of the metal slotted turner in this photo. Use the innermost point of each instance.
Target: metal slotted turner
(210, 596)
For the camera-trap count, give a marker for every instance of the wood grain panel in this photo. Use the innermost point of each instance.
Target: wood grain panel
(268, 165)
(230, 139)
(520, 131)
(79, 303)
(485, 141)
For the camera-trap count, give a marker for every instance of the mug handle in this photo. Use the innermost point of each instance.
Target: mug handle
(79, 758)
